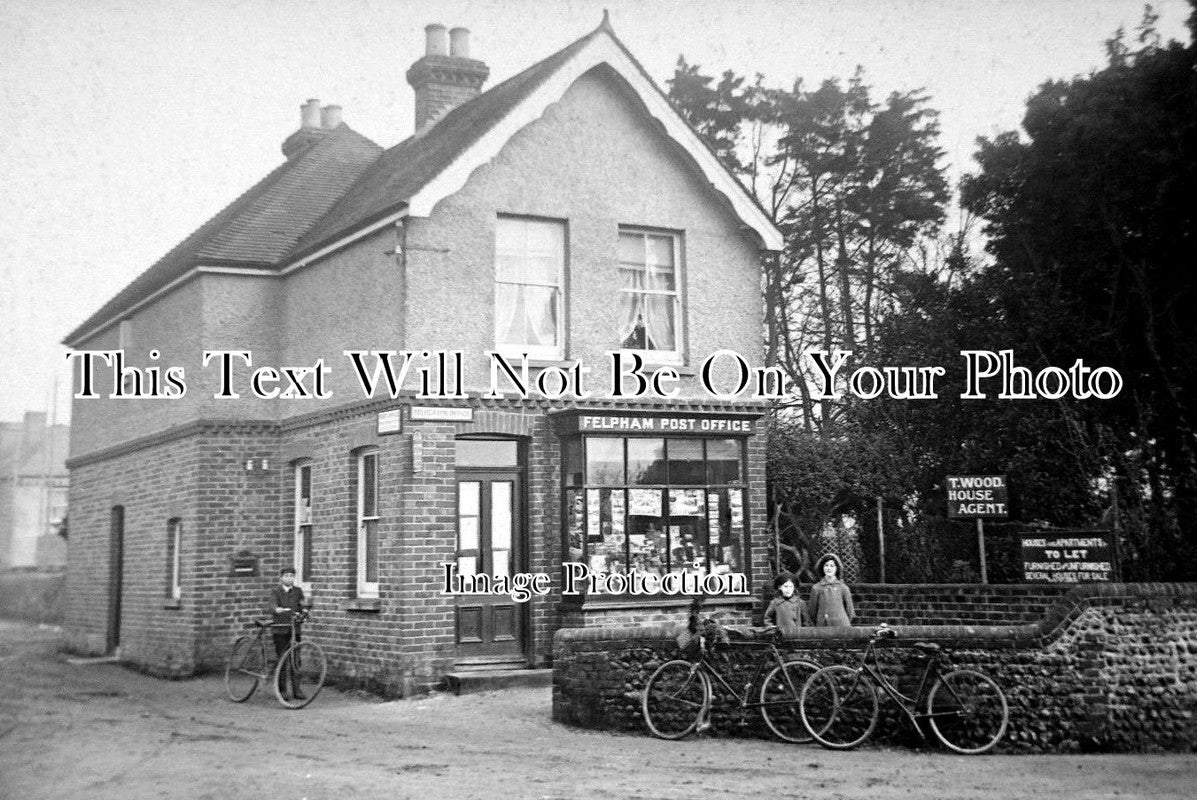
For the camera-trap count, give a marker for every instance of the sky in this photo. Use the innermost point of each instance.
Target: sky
(128, 123)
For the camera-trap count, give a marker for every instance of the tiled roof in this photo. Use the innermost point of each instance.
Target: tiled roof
(339, 184)
(262, 225)
(408, 166)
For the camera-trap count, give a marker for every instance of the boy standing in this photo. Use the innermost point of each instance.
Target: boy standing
(286, 603)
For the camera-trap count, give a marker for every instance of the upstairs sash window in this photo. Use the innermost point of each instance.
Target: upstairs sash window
(649, 305)
(529, 271)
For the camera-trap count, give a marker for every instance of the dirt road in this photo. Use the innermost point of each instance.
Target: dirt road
(101, 731)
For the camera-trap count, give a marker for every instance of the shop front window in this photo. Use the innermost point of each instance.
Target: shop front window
(655, 505)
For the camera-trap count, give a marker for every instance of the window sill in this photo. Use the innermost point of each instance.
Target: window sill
(172, 604)
(683, 370)
(545, 362)
(652, 361)
(535, 360)
(369, 605)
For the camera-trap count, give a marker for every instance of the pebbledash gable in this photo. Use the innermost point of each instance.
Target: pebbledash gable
(562, 215)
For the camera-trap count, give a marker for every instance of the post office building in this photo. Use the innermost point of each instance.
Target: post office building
(562, 215)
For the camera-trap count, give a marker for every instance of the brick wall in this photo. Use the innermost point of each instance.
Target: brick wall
(368, 644)
(400, 643)
(669, 612)
(236, 510)
(946, 604)
(1108, 667)
(153, 485)
(544, 533)
(430, 539)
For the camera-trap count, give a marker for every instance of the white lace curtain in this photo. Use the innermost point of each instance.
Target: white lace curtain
(530, 254)
(648, 298)
(527, 314)
(647, 319)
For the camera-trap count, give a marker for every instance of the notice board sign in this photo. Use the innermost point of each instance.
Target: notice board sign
(977, 496)
(1084, 557)
(440, 414)
(390, 421)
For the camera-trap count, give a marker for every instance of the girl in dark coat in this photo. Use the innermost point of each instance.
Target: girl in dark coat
(830, 599)
(786, 611)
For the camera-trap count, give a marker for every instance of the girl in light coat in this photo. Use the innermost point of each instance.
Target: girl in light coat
(830, 599)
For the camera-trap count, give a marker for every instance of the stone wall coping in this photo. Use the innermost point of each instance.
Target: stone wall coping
(1037, 634)
(593, 604)
(981, 588)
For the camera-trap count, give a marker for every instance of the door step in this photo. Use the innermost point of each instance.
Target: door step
(487, 680)
(476, 663)
(87, 661)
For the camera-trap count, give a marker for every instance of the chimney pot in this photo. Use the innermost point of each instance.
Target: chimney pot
(330, 117)
(310, 130)
(309, 114)
(436, 41)
(459, 43)
(443, 81)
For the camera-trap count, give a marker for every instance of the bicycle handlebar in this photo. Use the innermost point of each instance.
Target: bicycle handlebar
(299, 615)
(884, 631)
(295, 619)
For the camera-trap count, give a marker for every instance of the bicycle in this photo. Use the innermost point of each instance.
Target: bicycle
(677, 698)
(965, 708)
(248, 665)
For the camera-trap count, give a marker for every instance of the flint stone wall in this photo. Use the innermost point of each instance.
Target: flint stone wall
(1109, 667)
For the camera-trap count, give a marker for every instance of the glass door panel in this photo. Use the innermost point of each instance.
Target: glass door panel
(500, 526)
(468, 527)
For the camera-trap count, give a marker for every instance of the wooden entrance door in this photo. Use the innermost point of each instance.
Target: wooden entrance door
(491, 540)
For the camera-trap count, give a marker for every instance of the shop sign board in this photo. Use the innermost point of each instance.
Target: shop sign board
(977, 496)
(644, 423)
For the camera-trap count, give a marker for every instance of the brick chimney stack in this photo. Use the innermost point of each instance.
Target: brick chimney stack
(446, 76)
(314, 122)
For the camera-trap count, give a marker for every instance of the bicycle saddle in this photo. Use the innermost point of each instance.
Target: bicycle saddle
(927, 648)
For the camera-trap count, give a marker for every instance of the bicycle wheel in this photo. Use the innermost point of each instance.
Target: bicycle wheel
(967, 711)
(839, 706)
(307, 670)
(245, 667)
(675, 699)
(780, 692)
